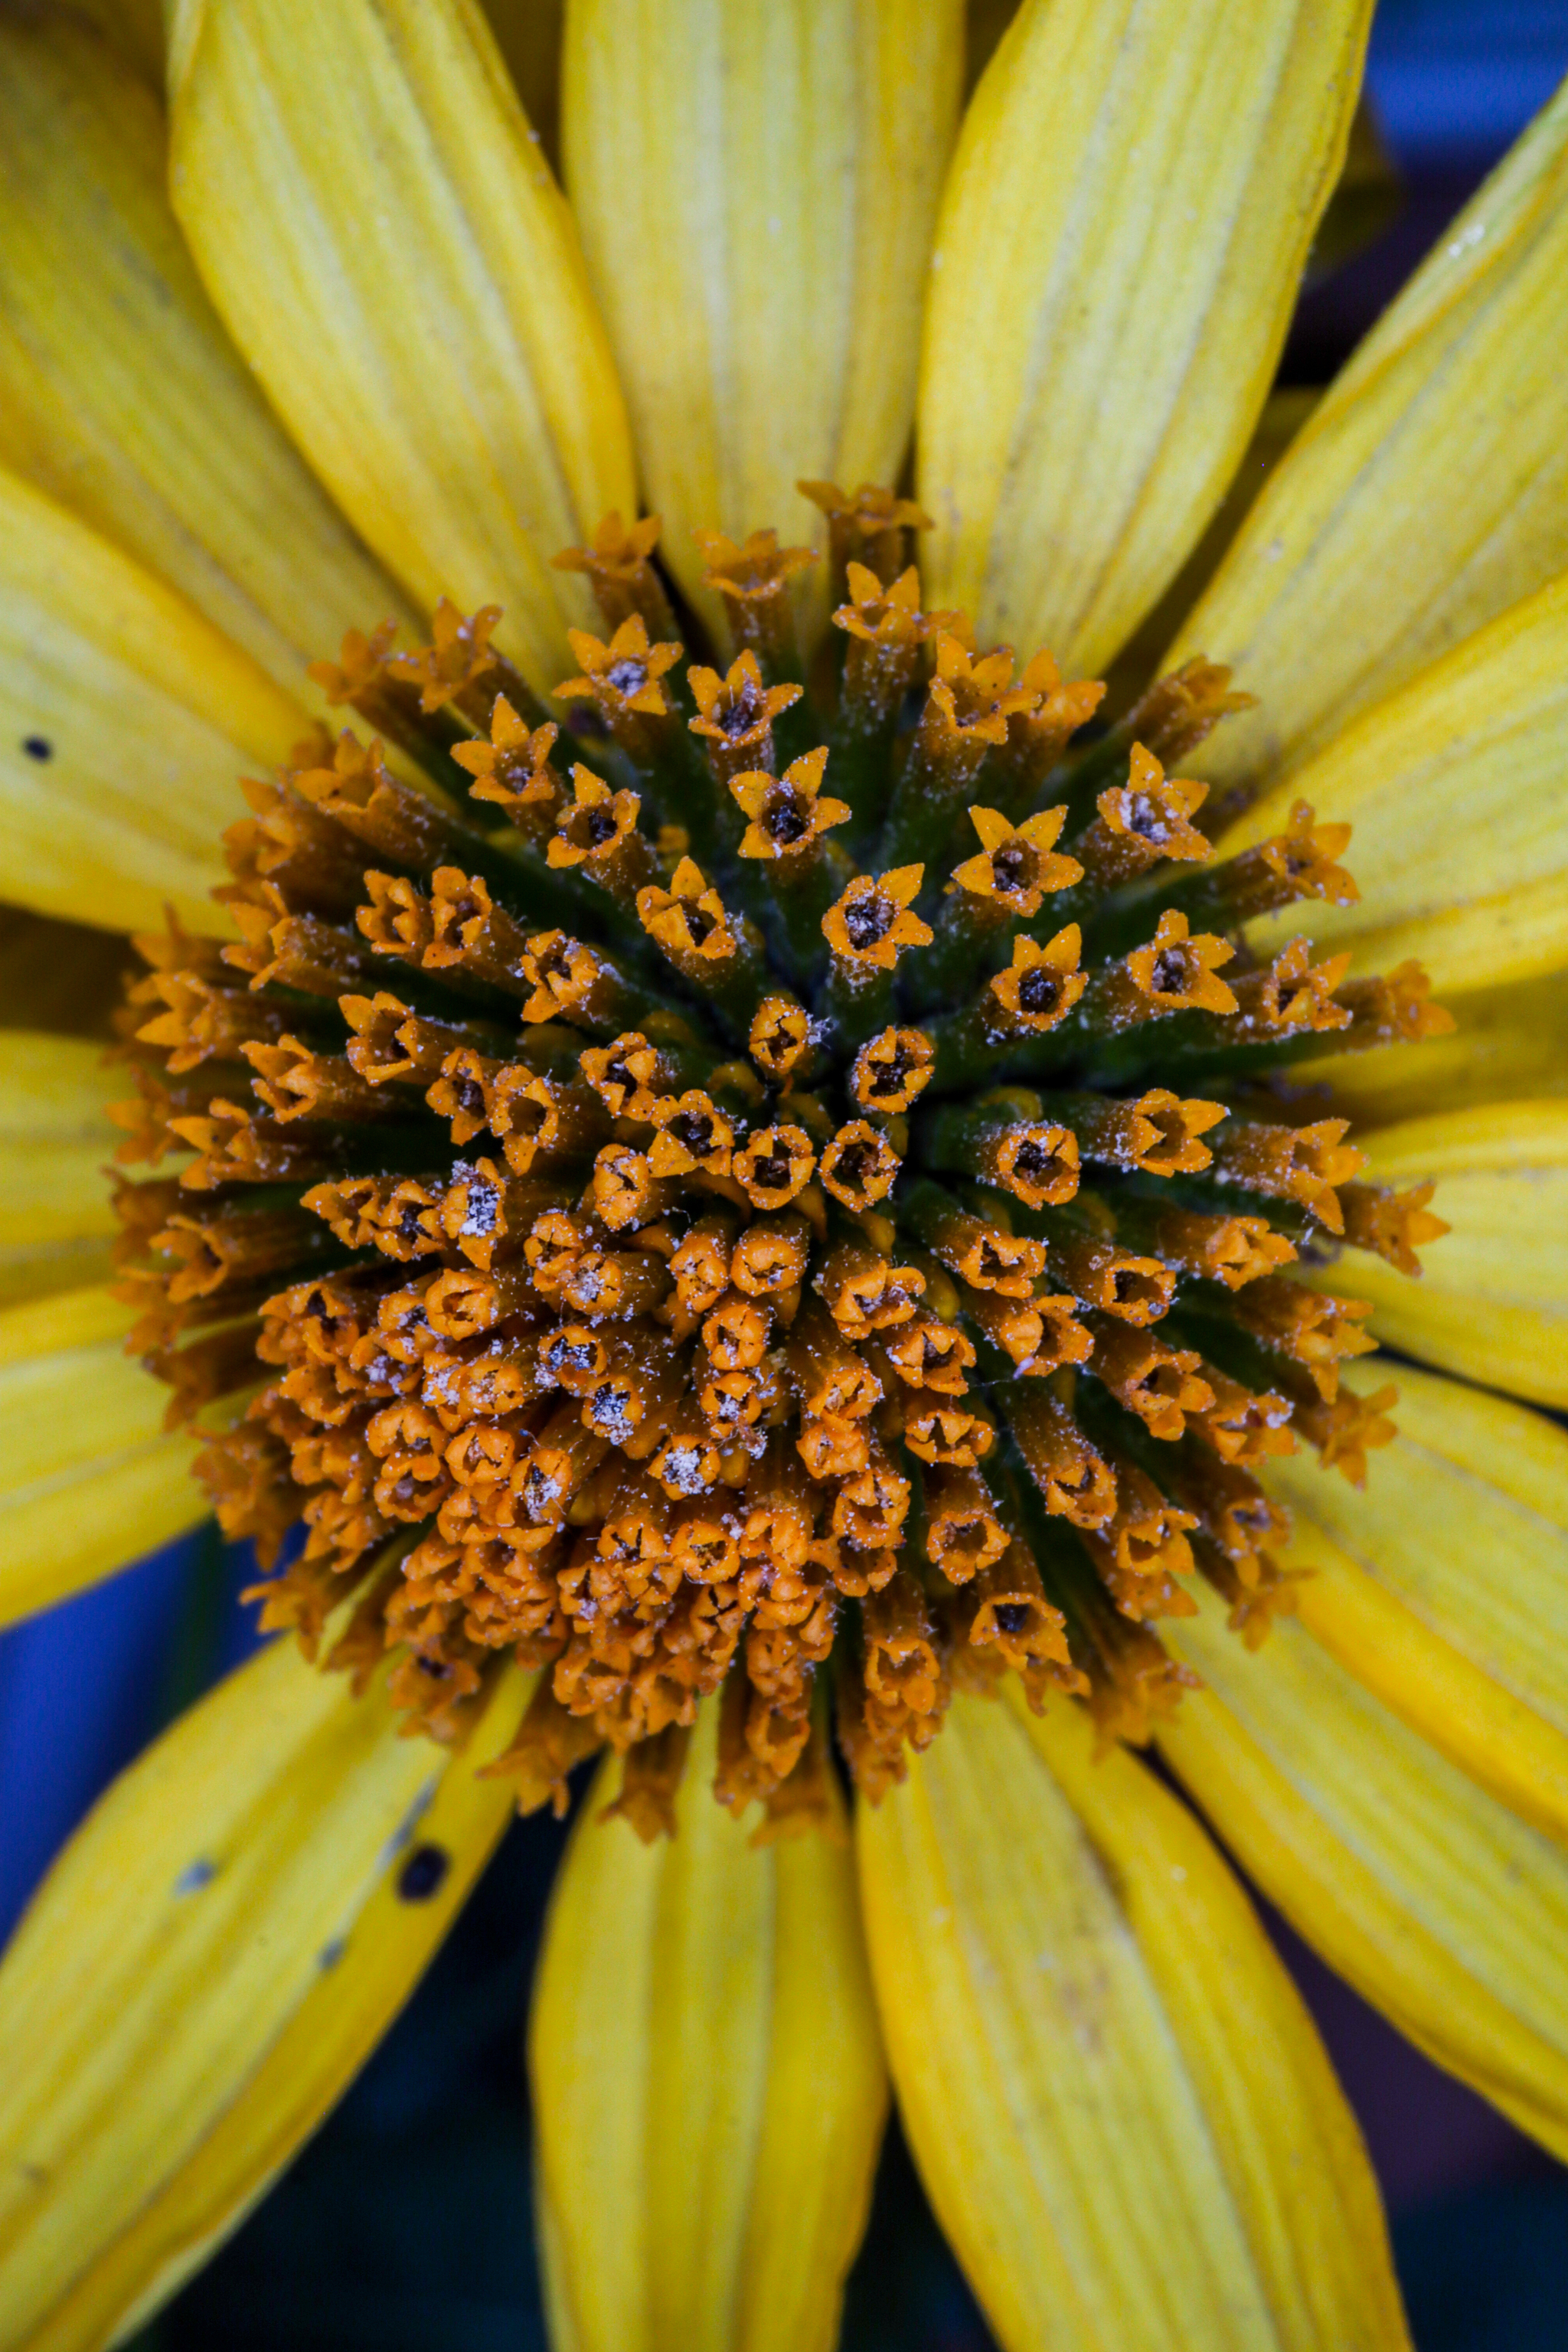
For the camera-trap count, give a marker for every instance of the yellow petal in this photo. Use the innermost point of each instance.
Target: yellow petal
(1425, 496)
(1508, 1043)
(120, 394)
(141, 717)
(89, 1480)
(708, 2082)
(55, 1140)
(1492, 1298)
(1123, 228)
(1437, 1903)
(756, 189)
(1457, 790)
(202, 1972)
(387, 247)
(1128, 2128)
(1465, 1637)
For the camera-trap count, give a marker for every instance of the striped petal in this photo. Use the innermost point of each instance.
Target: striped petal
(125, 719)
(1109, 294)
(120, 394)
(1425, 496)
(1436, 1901)
(204, 1971)
(55, 1215)
(1492, 1298)
(1465, 1637)
(1508, 1043)
(756, 189)
(1457, 788)
(1126, 2124)
(709, 2085)
(387, 247)
(89, 1480)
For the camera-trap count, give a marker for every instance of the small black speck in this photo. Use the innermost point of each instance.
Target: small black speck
(423, 1874)
(38, 747)
(331, 1954)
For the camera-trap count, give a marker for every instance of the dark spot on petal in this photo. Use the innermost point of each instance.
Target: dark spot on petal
(423, 1874)
(38, 747)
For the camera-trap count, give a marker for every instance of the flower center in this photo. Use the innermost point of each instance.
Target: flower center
(655, 1201)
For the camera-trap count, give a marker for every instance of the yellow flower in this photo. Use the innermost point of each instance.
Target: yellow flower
(876, 1264)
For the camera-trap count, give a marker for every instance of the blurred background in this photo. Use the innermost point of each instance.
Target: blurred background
(403, 2227)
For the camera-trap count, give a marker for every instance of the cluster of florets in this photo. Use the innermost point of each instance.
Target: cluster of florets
(746, 1206)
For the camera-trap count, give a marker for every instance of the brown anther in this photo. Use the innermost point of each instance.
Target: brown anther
(832, 1446)
(870, 925)
(983, 1254)
(388, 1042)
(962, 1531)
(620, 569)
(296, 1082)
(1232, 1250)
(1392, 1008)
(312, 860)
(859, 1165)
(1180, 711)
(736, 1333)
(701, 1265)
(903, 1662)
(1391, 1224)
(200, 1023)
(926, 1353)
(513, 771)
(836, 1382)
(1304, 1164)
(872, 1504)
(1311, 1327)
(1345, 1429)
(1177, 973)
(570, 981)
(1301, 863)
(622, 680)
(1012, 1611)
(280, 950)
(398, 920)
(1134, 1290)
(1035, 1160)
(735, 716)
(686, 1464)
(771, 1256)
(359, 791)
(754, 581)
(892, 1070)
(1039, 1334)
(865, 1292)
(787, 817)
(1243, 1425)
(630, 1075)
(1142, 822)
(688, 921)
(597, 833)
(869, 529)
(780, 1042)
(626, 1192)
(472, 935)
(776, 1165)
(1037, 738)
(693, 1133)
(1159, 1383)
(360, 666)
(954, 1436)
(1075, 1482)
(650, 1776)
(1041, 985)
(460, 657)
(1292, 994)
(887, 630)
(1016, 865)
